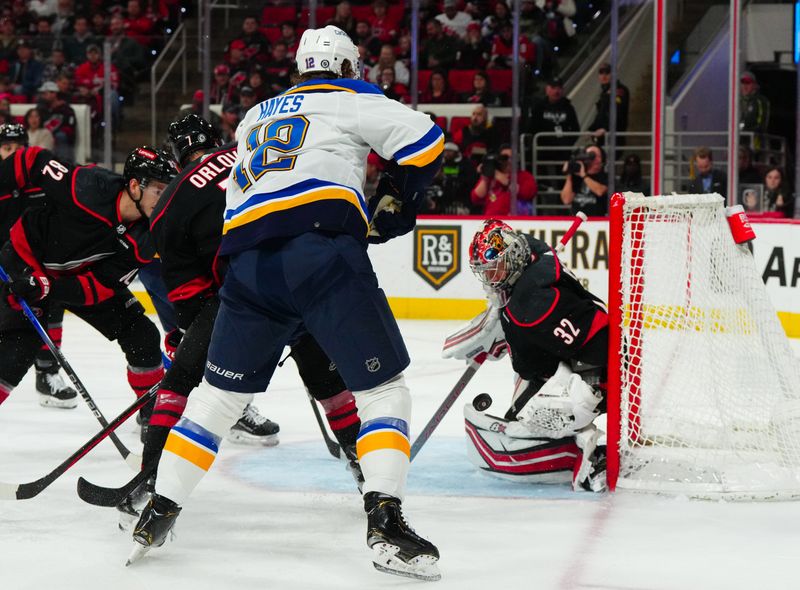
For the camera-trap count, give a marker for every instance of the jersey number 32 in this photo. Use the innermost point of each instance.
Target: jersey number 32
(283, 136)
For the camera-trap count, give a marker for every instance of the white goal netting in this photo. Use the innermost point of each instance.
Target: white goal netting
(709, 385)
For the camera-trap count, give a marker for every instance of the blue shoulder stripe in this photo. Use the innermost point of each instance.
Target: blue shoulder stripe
(431, 137)
(325, 85)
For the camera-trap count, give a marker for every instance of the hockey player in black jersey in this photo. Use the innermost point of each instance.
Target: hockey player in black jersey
(187, 227)
(53, 389)
(80, 250)
(557, 335)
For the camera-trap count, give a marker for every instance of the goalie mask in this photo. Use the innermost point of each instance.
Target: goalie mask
(498, 255)
(325, 50)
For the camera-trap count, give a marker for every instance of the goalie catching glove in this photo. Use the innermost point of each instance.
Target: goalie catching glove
(479, 340)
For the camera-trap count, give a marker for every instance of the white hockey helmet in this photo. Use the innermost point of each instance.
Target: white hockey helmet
(324, 50)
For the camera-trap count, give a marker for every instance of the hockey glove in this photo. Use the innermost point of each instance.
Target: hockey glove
(482, 337)
(392, 221)
(31, 288)
(171, 342)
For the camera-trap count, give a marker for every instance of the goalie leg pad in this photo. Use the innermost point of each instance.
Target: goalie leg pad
(383, 446)
(193, 442)
(507, 450)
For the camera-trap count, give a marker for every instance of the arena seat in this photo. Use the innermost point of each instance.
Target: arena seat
(362, 12)
(457, 124)
(422, 79)
(461, 80)
(501, 80)
(275, 15)
(271, 33)
(442, 123)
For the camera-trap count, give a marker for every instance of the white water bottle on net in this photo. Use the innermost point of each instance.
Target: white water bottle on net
(704, 388)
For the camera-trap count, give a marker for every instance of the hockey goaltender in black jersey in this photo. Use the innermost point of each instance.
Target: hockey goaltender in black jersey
(557, 336)
(81, 249)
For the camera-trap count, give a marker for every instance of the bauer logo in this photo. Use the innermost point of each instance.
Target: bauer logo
(437, 253)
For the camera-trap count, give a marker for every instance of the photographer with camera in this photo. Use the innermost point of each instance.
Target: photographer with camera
(493, 193)
(586, 184)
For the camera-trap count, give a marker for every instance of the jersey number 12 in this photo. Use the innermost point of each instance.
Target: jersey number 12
(283, 136)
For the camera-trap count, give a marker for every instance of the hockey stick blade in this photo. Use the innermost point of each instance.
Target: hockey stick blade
(103, 496)
(25, 491)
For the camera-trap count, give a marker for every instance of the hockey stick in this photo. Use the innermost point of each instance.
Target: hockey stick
(103, 496)
(25, 491)
(333, 447)
(477, 361)
(135, 461)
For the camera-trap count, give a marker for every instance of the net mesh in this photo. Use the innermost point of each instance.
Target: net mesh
(710, 405)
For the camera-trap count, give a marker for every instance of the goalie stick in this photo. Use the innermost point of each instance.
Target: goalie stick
(133, 460)
(475, 363)
(25, 491)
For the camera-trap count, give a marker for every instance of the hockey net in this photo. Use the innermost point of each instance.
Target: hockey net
(704, 388)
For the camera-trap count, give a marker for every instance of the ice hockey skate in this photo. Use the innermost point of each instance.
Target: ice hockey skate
(54, 391)
(154, 526)
(130, 509)
(254, 429)
(398, 549)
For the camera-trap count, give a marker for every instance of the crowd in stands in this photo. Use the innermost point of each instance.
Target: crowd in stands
(51, 55)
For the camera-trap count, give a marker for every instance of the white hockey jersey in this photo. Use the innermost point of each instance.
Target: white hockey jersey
(301, 160)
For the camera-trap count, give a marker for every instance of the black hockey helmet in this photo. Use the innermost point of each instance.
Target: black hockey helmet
(190, 134)
(13, 132)
(146, 163)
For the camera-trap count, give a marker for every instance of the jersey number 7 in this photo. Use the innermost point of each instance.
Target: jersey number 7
(284, 136)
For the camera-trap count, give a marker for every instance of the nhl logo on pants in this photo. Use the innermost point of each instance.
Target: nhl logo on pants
(373, 364)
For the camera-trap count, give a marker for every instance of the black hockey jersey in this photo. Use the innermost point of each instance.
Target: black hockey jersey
(549, 315)
(77, 237)
(187, 227)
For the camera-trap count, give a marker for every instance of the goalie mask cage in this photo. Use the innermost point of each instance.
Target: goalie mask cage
(703, 396)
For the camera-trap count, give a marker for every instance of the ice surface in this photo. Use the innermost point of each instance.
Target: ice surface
(289, 517)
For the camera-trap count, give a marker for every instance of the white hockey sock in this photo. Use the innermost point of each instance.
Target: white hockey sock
(193, 442)
(383, 448)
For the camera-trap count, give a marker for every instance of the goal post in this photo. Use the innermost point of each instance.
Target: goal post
(703, 386)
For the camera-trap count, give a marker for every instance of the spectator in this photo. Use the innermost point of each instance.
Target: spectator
(127, 55)
(138, 25)
(258, 82)
(91, 74)
(384, 27)
(78, 42)
(391, 87)
(492, 24)
(5, 112)
(438, 90)
(5, 92)
(99, 26)
(238, 64)
(558, 25)
(38, 136)
(704, 177)
(754, 109)
(553, 114)
(64, 19)
(492, 193)
(747, 172)
(777, 196)
(42, 8)
(474, 52)
(503, 47)
(631, 179)
(229, 121)
(8, 42)
(279, 69)
(586, 184)
(453, 185)
(289, 36)
(600, 125)
(25, 75)
(64, 83)
(454, 21)
(438, 50)
(481, 91)
(56, 66)
(364, 36)
(247, 100)
(22, 18)
(59, 118)
(479, 137)
(388, 59)
(343, 18)
(256, 44)
(44, 40)
(403, 50)
(532, 24)
(221, 89)
(197, 108)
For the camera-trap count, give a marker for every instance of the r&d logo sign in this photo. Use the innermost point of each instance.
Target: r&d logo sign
(437, 253)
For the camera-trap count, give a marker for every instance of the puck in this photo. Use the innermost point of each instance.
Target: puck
(482, 402)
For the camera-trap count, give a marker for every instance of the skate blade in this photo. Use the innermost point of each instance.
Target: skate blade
(138, 552)
(48, 401)
(242, 438)
(422, 567)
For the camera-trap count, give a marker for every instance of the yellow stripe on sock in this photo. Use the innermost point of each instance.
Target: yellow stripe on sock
(383, 440)
(189, 451)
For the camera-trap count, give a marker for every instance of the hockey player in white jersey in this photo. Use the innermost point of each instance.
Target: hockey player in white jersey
(295, 232)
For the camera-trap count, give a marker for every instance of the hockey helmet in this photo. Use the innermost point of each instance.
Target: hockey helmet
(13, 132)
(498, 255)
(325, 50)
(146, 164)
(191, 134)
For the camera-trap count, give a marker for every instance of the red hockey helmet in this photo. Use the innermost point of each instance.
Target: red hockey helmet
(498, 255)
